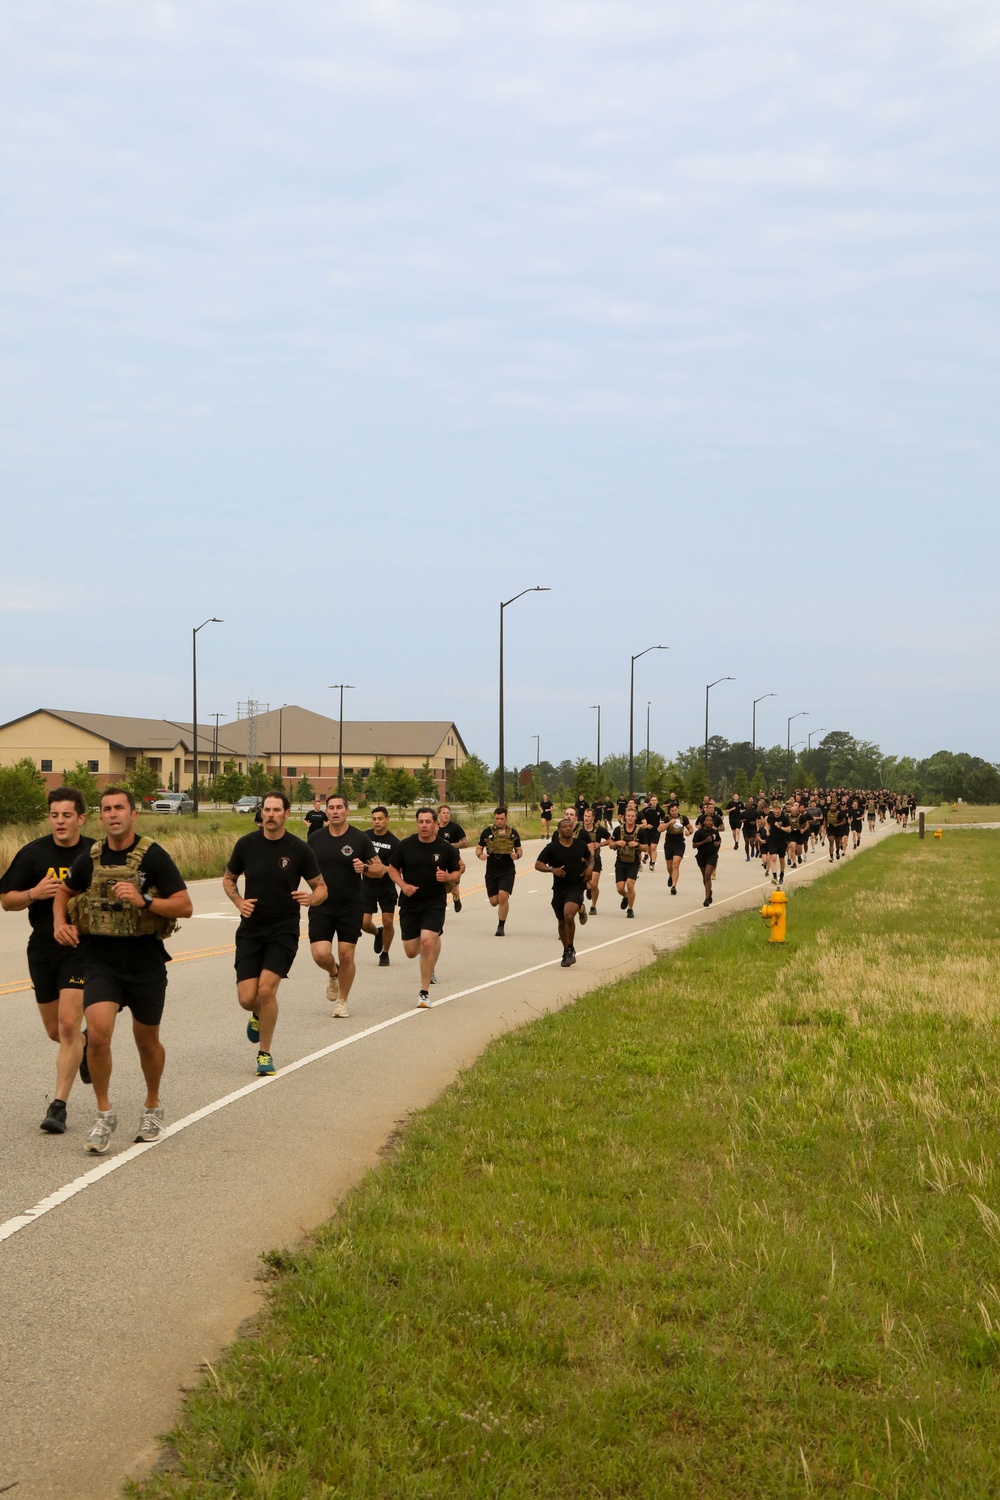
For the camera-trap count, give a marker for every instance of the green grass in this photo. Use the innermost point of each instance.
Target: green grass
(962, 812)
(727, 1228)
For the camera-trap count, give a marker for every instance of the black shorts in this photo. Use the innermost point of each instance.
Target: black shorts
(502, 881)
(649, 836)
(329, 923)
(378, 893)
(51, 973)
(706, 859)
(143, 994)
(674, 846)
(256, 952)
(734, 822)
(598, 865)
(421, 919)
(777, 843)
(856, 825)
(564, 895)
(626, 871)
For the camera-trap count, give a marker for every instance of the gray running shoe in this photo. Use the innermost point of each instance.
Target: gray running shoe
(434, 978)
(150, 1125)
(101, 1132)
(583, 916)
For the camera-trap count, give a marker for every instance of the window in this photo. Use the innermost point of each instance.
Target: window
(46, 765)
(156, 764)
(291, 770)
(93, 765)
(130, 762)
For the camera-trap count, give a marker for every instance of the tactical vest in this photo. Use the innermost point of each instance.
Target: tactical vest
(499, 843)
(628, 856)
(97, 911)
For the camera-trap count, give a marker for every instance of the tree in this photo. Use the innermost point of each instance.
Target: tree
(584, 773)
(258, 781)
(85, 781)
(277, 782)
(470, 783)
(740, 784)
(377, 781)
(305, 791)
(426, 783)
(401, 788)
(757, 784)
(655, 779)
(674, 778)
(22, 793)
(229, 785)
(697, 785)
(982, 785)
(142, 781)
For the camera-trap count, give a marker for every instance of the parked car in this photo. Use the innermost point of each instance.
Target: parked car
(247, 804)
(173, 802)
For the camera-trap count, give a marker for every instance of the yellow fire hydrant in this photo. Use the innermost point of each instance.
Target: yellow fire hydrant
(937, 833)
(773, 911)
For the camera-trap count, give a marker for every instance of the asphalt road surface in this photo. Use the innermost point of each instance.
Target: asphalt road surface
(121, 1274)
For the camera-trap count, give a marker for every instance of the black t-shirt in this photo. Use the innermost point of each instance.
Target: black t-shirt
(495, 862)
(653, 817)
(315, 819)
(418, 863)
(717, 819)
(596, 836)
(706, 842)
(335, 854)
(129, 955)
(273, 869)
(623, 855)
(573, 861)
(622, 804)
(36, 861)
(452, 833)
(545, 807)
(385, 846)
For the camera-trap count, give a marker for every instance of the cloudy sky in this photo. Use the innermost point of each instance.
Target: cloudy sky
(345, 321)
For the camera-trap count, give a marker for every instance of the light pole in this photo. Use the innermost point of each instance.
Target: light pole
(340, 734)
(538, 589)
(809, 739)
(753, 771)
(194, 704)
(631, 714)
(648, 707)
(802, 713)
(708, 688)
(598, 707)
(537, 740)
(213, 769)
(281, 758)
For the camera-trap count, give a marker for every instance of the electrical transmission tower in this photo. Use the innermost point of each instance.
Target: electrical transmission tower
(250, 710)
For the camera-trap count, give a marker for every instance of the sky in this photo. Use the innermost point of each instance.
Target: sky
(345, 322)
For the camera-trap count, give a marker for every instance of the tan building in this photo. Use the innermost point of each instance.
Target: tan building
(110, 744)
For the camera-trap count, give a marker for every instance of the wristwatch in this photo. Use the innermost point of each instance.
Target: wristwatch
(148, 900)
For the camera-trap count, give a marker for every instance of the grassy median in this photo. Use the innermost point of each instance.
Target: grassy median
(728, 1228)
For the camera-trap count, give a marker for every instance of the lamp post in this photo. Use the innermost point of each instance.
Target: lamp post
(598, 707)
(802, 713)
(631, 714)
(809, 739)
(194, 704)
(708, 689)
(213, 767)
(281, 757)
(648, 707)
(538, 589)
(340, 734)
(753, 771)
(537, 740)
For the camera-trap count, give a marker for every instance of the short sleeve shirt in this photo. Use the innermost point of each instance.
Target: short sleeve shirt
(273, 869)
(335, 854)
(505, 859)
(418, 863)
(42, 858)
(573, 860)
(128, 955)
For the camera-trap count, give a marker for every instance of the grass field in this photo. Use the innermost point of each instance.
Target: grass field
(729, 1228)
(964, 812)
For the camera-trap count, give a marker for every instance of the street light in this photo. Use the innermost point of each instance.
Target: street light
(754, 736)
(598, 707)
(648, 707)
(631, 714)
(708, 689)
(537, 740)
(194, 704)
(802, 713)
(213, 765)
(538, 589)
(281, 758)
(809, 738)
(340, 734)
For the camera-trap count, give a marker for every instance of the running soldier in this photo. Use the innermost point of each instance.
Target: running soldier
(567, 860)
(706, 844)
(678, 824)
(734, 807)
(626, 843)
(380, 894)
(345, 855)
(653, 816)
(499, 845)
(272, 862)
(596, 836)
(125, 895)
(30, 884)
(424, 868)
(315, 818)
(453, 834)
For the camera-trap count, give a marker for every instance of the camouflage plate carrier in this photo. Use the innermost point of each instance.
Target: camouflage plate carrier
(97, 912)
(499, 843)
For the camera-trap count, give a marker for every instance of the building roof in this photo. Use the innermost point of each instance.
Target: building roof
(127, 733)
(301, 729)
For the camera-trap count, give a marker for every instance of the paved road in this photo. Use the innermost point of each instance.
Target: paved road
(120, 1275)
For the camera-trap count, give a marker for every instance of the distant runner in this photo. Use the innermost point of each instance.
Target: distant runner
(499, 846)
(567, 860)
(424, 868)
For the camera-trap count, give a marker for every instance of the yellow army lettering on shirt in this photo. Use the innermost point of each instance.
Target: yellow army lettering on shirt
(53, 874)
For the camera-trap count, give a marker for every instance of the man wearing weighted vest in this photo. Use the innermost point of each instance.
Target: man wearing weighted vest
(626, 843)
(499, 846)
(124, 895)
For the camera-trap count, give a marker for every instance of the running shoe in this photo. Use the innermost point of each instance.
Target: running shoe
(383, 960)
(84, 1070)
(332, 988)
(434, 978)
(457, 903)
(340, 1010)
(265, 1065)
(55, 1118)
(379, 938)
(150, 1125)
(707, 901)
(630, 913)
(593, 909)
(624, 903)
(499, 932)
(583, 916)
(103, 1128)
(424, 1003)
(673, 890)
(253, 1029)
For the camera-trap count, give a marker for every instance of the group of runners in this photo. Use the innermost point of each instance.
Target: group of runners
(100, 909)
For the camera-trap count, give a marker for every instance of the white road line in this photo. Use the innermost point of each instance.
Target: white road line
(97, 1174)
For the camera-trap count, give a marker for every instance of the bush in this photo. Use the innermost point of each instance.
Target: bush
(22, 793)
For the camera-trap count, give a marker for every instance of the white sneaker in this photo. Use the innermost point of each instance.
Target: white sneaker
(340, 1010)
(150, 1125)
(434, 978)
(424, 1003)
(101, 1132)
(331, 987)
